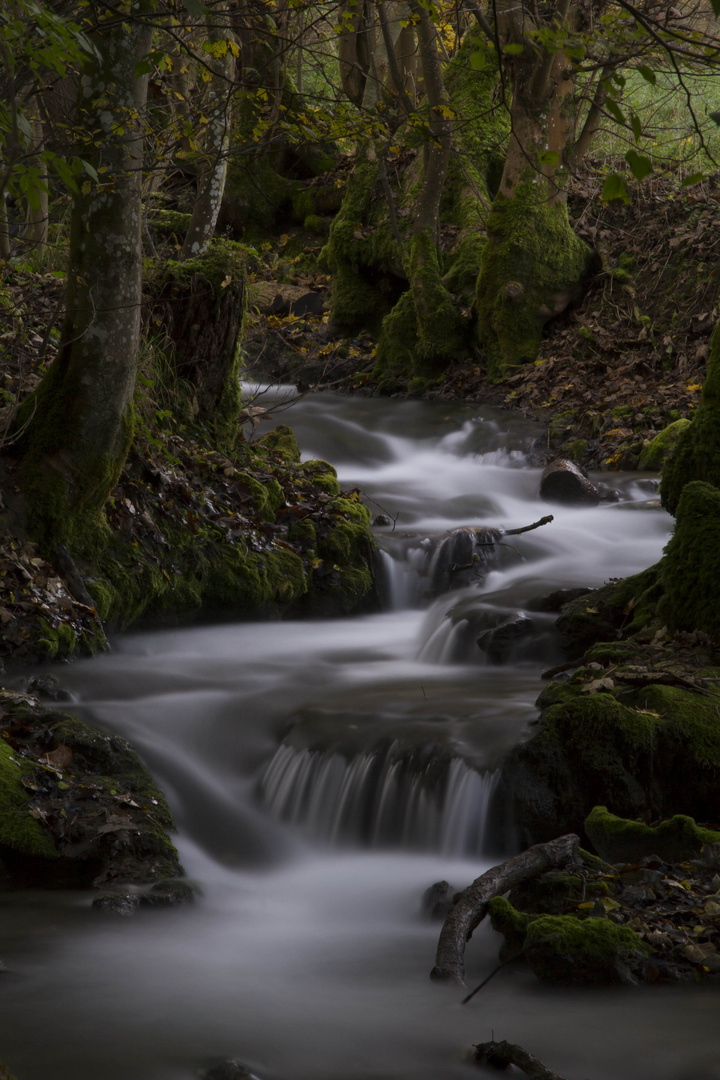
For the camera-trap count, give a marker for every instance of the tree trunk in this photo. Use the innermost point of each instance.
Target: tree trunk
(76, 428)
(200, 305)
(533, 263)
(212, 169)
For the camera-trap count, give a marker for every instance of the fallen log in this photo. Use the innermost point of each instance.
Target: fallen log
(500, 1055)
(470, 909)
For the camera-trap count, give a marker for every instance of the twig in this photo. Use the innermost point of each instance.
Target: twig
(483, 983)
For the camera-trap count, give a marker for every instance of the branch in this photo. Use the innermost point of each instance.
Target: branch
(395, 72)
(471, 907)
(500, 1055)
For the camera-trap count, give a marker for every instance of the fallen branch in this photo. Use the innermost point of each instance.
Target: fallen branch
(500, 1055)
(514, 532)
(470, 909)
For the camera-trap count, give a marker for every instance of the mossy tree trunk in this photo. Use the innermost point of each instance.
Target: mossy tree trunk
(200, 304)
(533, 263)
(75, 430)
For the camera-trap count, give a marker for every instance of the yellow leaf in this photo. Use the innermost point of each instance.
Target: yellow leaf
(224, 284)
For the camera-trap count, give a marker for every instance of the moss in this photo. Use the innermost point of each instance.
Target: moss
(619, 609)
(659, 449)
(689, 577)
(565, 950)
(281, 440)
(697, 451)
(346, 552)
(19, 830)
(531, 262)
(168, 224)
(322, 476)
(511, 923)
(553, 893)
(432, 332)
(620, 840)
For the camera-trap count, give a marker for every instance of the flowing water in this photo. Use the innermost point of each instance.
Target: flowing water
(324, 774)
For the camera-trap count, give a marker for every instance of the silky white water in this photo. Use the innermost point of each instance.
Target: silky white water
(323, 775)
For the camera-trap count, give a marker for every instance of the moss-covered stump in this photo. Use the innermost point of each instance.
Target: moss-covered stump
(697, 452)
(636, 728)
(77, 808)
(532, 267)
(689, 572)
(619, 840)
(662, 446)
(566, 950)
(199, 304)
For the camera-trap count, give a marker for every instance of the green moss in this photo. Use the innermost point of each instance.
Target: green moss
(566, 950)
(619, 609)
(697, 451)
(431, 333)
(659, 449)
(689, 571)
(281, 440)
(622, 841)
(168, 224)
(19, 830)
(531, 261)
(322, 476)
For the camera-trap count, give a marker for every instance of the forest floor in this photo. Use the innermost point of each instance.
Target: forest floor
(611, 373)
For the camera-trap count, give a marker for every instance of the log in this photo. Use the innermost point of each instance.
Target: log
(470, 909)
(500, 1055)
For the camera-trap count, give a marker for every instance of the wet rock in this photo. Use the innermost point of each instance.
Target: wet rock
(437, 901)
(168, 893)
(464, 557)
(48, 686)
(554, 602)
(499, 644)
(564, 482)
(230, 1070)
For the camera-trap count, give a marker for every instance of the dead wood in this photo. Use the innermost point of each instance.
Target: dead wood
(470, 909)
(500, 1055)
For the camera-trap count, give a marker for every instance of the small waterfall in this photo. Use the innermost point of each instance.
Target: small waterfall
(381, 799)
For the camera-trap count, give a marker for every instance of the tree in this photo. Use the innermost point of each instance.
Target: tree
(74, 431)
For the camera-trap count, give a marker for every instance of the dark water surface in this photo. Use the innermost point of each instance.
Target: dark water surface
(284, 751)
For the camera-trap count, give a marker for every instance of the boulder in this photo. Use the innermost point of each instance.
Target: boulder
(277, 298)
(564, 482)
(619, 840)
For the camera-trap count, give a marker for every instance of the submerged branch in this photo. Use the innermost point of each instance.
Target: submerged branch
(470, 909)
(500, 1055)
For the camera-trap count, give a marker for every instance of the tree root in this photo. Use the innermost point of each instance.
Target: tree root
(470, 909)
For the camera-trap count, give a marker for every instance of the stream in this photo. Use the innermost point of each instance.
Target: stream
(322, 775)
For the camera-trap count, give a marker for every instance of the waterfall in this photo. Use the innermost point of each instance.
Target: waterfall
(381, 799)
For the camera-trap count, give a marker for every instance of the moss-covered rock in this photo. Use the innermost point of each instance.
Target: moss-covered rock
(659, 449)
(697, 451)
(689, 572)
(622, 841)
(77, 807)
(565, 950)
(617, 610)
(531, 266)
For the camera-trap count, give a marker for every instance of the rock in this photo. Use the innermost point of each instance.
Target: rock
(167, 893)
(659, 449)
(276, 298)
(564, 482)
(621, 841)
(688, 573)
(554, 602)
(229, 1070)
(437, 901)
(498, 644)
(48, 686)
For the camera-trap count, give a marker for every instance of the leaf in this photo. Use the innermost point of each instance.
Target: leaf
(715, 117)
(615, 111)
(636, 125)
(695, 178)
(715, 5)
(647, 73)
(513, 48)
(615, 189)
(548, 157)
(640, 166)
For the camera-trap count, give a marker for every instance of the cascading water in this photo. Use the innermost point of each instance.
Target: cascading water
(323, 775)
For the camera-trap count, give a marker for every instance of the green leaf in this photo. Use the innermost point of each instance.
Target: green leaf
(548, 157)
(696, 178)
(194, 8)
(513, 48)
(647, 72)
(615, 111)
(640, 166)
(615, 189)
(636, 125)
(478, 60)
(143, 67)
(715, 117)
(715, 4)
